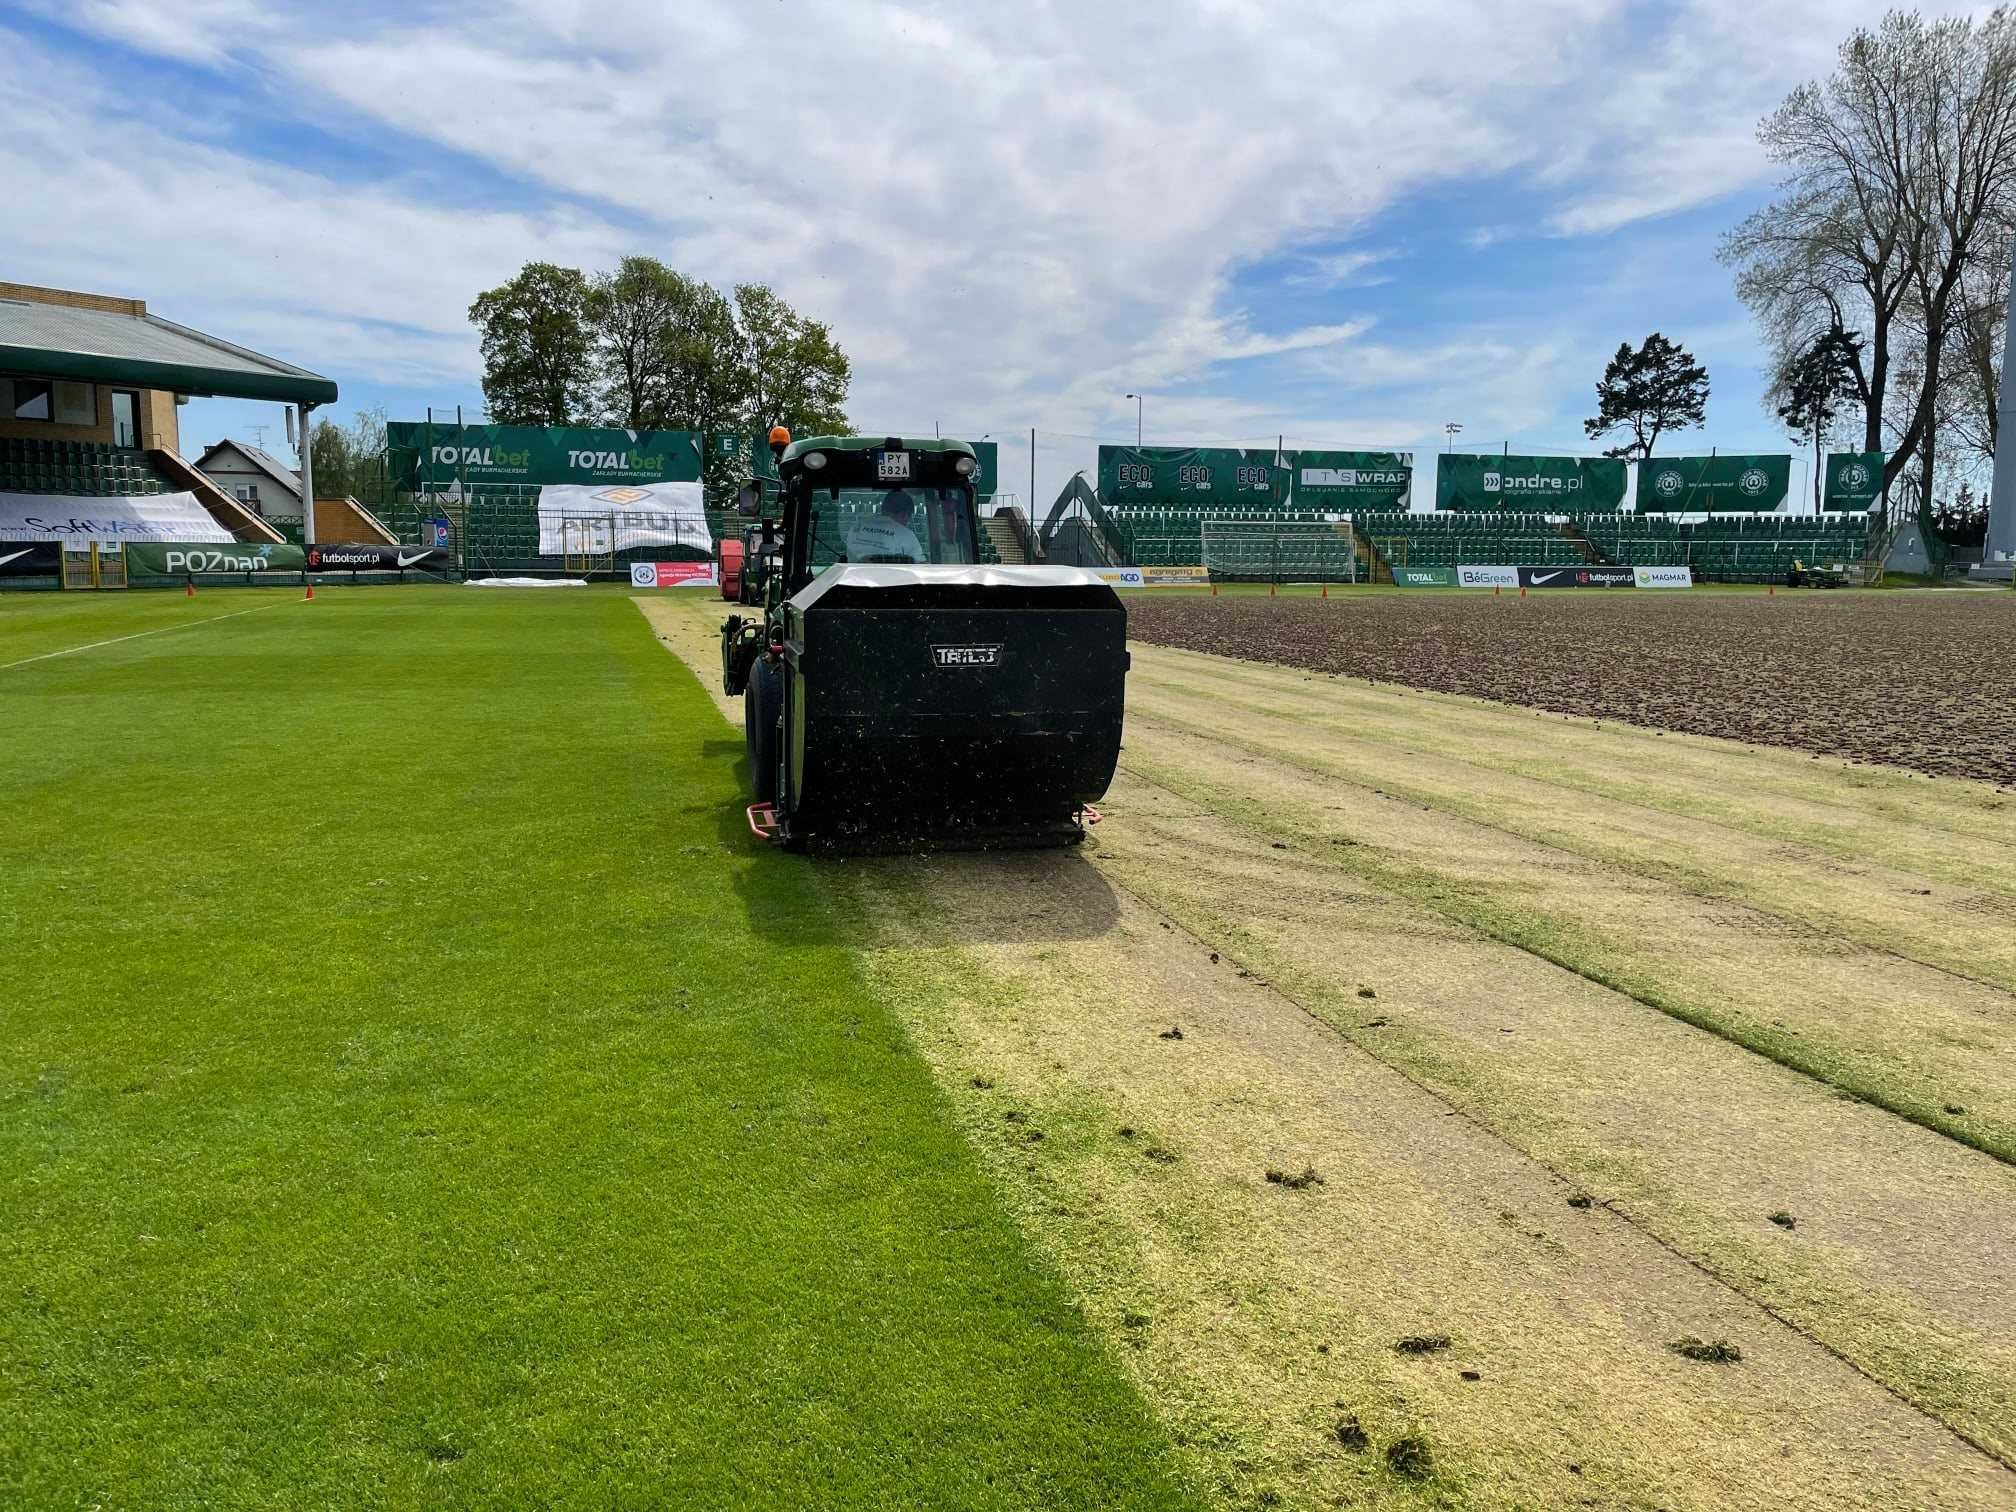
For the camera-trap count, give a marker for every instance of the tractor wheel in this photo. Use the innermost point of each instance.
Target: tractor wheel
(762, 703)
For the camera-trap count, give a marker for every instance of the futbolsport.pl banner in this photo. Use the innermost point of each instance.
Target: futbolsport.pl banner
(157, 558)
(1854, 481)
(373, 556)
(1545, 485)
(1577, 577)
(1695, 485)
(30, 558)
(439, 457)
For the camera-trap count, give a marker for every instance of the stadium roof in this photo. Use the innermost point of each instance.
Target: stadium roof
(100, 346)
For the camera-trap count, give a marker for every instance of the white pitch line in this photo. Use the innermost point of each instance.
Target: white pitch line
(137, 634)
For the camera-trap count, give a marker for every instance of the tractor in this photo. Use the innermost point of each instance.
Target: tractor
(899, 694)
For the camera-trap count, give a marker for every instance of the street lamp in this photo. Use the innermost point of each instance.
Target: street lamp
(1450, 429)
(1137, 419)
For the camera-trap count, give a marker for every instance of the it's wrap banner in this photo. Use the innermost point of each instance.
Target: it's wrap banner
(1854, 481)
(157, 558)
(1544, 485)
(575, 521)
(1255, 477)
(1696, 485)
(439, 457)
(375, 556)
(76, 520)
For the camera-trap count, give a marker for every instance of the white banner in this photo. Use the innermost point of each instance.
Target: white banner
(1488, 577)
(587, 519)
(77, 519)
(1664, 577)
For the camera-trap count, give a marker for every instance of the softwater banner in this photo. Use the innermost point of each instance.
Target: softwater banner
(159, 559)
(1225, 476)
(1544, 485)
(1854, 481)
(1694, 485)
(31, 558)
(375, 556)
(577, 521)
(439, 457)
(1347, 480)
(77, 521)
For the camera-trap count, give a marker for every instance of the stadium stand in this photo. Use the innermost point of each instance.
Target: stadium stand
(1730, 548)
(94, 469)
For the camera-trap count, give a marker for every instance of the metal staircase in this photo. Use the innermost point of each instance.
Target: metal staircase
(1006, 539)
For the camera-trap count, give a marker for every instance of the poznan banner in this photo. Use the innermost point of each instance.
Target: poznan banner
(1697, 485)
(156, 558)
(1547, 485)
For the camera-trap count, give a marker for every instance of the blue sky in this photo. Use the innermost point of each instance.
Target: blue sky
(1343, 224)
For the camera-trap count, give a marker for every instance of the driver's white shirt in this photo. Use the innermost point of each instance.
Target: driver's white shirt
(884, 538)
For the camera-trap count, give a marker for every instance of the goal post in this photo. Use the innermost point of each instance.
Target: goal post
(1281, 551)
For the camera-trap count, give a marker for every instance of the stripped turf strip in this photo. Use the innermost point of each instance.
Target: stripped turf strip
(414, 1090)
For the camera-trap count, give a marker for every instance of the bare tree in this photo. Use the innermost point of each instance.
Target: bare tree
(1901, 176)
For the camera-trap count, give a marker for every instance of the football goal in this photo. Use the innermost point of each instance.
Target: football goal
(1281, 551)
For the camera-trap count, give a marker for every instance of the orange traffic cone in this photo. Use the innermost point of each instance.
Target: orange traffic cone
(1326, 591)
(1770, 590)
(190, 585)
(1270, 590)
(1496, 590)
(1522, 593)
(311, 591)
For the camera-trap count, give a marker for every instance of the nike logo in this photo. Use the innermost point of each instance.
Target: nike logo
(408, 561)
(1544, 577)
(13, 554)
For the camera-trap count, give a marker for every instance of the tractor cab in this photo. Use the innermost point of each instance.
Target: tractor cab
(897, 691)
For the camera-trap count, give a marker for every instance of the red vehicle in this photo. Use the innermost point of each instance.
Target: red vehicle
(729, 554)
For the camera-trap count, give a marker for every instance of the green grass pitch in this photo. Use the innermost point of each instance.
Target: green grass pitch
(416, 1088)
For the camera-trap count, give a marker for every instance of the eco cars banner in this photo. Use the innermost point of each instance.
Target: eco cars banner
(155, 558)
(1255, 477)
(1854, 481)
(78, 521)
(442, 457)
(1548, 485)
(1694, 485)
(375, 556)
(31, 558)
(577, 521)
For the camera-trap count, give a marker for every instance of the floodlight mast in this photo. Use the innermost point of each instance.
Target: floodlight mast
(1998, 547)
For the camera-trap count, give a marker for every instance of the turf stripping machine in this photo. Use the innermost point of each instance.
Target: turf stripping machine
(899, 694)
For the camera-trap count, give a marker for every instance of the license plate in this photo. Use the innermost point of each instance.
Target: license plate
(893, 467)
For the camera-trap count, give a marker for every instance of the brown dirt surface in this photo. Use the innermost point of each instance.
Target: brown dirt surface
(1925, 680)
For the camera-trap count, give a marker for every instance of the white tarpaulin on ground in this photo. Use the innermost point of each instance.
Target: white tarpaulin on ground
(79, 519)
(588, 519)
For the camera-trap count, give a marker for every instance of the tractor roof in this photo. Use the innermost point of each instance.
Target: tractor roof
(943, 446)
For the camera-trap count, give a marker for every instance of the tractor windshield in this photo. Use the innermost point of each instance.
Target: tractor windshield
(900, 525)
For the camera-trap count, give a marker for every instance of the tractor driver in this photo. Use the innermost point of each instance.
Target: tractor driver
(886, 535)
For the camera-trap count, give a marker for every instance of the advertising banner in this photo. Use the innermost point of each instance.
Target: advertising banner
(1347, 480)
(675, 575)
(440, 456)
(1216, 475)
(1487, 577)
(1696, 485)
(1664, 577)
(1854, 481)
(1121, 577)
(162, 560)
(1545, 485)
(1425, 577)
(77, 521)
(1591, 576)
(375, 556)
(31, 558)
(1175, 577)
(576, 521)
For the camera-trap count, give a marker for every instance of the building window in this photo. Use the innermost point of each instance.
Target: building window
(76, 404)
(33, 399)
(125, 417)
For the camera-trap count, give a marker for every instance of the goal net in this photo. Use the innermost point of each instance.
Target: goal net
(1281, 551)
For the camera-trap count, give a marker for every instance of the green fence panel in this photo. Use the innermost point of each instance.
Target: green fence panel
(1691, 485)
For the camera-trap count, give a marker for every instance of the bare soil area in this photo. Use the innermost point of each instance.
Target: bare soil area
(1925, 680)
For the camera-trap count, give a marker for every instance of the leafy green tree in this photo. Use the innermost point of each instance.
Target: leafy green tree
(538, 348)
(793, 371)
(629, 313)
(1655, 389)
(1819, 385)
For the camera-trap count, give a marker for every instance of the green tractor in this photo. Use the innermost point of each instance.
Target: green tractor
(898, 694)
